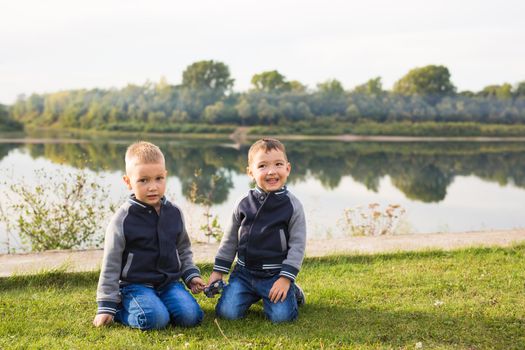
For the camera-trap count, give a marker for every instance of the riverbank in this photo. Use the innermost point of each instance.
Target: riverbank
(364, 132)
(89, 260)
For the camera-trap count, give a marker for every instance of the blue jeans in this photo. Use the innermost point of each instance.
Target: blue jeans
(146, 308)
(246, 287)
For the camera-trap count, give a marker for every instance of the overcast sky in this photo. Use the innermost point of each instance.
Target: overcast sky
(53, 45)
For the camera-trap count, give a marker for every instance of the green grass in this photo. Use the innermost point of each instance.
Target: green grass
(465, 299)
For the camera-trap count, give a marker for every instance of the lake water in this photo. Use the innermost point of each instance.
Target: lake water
(441, 186)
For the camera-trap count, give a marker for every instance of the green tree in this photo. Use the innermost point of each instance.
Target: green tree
(371, 87)
(519, 90)
(367, 101)
(270, 81)
(266, 112)
(331, 87)
(26, 110)
(244, 110)
(432, 82)
(179, 116)
(203, 84)
(220, 112)
(467, 93)
(208, 75)
(502, 92)
(329, 99)
(6, 122)
(297, 86)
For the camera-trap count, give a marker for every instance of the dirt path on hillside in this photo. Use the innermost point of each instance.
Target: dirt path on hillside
(89, 260)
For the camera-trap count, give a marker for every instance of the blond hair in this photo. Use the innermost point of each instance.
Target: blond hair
(143, 152)
(267, 145)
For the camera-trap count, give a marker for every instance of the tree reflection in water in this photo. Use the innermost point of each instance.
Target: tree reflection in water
(422, 171)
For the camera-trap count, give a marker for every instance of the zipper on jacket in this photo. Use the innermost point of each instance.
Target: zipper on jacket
(126, 268)
(251, 227)
(178, 258)
(284, 244)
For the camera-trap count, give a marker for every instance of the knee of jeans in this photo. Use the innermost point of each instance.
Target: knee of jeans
(154, 319)
(279, 315)
(191, 318)
(228, 312)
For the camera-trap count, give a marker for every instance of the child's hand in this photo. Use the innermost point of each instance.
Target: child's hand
(279, 290)
(215, 276)
(197, 285)
(102, 320)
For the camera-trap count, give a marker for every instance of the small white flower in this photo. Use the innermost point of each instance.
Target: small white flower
(419, 345)
(438, 303)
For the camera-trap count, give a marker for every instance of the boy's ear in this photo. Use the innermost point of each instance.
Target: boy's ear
(127, 181)
(249, 171)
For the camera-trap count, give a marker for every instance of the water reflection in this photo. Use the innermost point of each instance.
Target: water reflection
(422, 171)
(443, 186)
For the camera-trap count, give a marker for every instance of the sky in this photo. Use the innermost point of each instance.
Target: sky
(53, 45)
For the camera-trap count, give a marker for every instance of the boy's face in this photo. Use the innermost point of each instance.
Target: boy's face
(269, 169)
(147, 181)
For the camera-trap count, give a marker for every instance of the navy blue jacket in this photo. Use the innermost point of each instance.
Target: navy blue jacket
(268, 232)
(144, 247)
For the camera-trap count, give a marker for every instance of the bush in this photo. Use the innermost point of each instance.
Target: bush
(59, 212)
(372, 221)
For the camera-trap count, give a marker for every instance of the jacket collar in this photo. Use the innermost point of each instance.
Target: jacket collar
(260, 191)
(134, 201)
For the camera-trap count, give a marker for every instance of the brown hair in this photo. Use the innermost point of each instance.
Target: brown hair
(267, 145)
(143, 152)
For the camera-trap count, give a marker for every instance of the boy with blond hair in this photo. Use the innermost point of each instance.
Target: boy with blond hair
(268, 236)
(146, 252)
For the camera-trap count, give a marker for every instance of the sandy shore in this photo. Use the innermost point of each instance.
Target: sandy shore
(88, 260)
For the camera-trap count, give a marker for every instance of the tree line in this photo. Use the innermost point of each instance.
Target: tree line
(206, 97)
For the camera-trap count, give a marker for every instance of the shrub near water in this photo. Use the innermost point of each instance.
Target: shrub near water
(60, 212)
(203, 197)
(372, 221)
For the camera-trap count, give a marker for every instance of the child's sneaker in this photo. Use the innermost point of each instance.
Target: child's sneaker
(299, 295)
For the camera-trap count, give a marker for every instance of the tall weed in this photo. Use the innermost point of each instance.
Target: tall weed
(60, 211)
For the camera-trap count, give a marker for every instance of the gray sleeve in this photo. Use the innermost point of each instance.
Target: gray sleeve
(296, 242)
(229, 243)
(188, 268)
(114, 243)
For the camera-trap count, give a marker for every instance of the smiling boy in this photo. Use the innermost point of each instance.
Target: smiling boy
(146, 252)
(268, 236)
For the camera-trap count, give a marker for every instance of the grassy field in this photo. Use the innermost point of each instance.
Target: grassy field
(465, 299)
